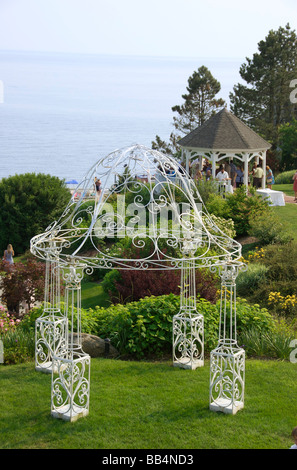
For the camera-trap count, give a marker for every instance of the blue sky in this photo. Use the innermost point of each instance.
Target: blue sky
(177, 28)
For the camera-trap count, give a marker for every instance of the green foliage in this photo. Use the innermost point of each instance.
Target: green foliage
(145, 327)
(225, 225)
(200, 103)
(275, 343)
(18, 346)
(264, 102)
(249, 280)
(288, 144)
(207, 190)
(281, 274)
(286, 177)
(217, 205)
(29, 204)
(268, 228)
(243, 207)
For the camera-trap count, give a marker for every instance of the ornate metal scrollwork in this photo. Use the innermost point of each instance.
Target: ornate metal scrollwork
(148, 198)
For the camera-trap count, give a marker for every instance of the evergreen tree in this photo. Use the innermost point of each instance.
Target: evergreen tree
(200, 103)
(288, 144)
(29, 204)
(264, 103)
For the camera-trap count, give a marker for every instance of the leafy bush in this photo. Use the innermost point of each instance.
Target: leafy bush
(18, 346)
(29, 204)
(144, 328)
(131, 285)
(207, 189)
(281, 274)
(24, 282)
(268, 229)
(285, 177)
(243, 207)
(249, 280)
(275, 343)
(217, 206)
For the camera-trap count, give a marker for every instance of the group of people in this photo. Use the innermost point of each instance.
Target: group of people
(235, 174)
(227, 171)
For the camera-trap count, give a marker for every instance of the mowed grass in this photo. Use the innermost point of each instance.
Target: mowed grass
(288, 215)
(285, 188)
(142, 405)
(93, 295)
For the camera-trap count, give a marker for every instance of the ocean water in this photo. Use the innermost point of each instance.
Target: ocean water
(61, 113)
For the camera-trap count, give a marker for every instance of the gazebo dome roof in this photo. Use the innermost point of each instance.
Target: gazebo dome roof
(146, 197)
(224, 132)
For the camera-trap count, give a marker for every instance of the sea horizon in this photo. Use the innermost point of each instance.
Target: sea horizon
(62, 112)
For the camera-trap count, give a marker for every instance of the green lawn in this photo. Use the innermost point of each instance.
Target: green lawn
(288, 214)
(93, 295)
(141, 405)
(286, 188)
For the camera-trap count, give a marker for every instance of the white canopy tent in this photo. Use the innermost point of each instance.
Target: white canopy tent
(225, 136)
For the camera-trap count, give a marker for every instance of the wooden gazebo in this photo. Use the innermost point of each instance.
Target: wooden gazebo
(225, 136)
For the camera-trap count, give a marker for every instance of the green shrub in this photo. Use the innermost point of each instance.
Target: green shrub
(145, 327)
(268, 229)
(275, 343)
(285, 177)
(243, 207)
(281, 274)
(29, 204)
(249, 280)
(18, 346)
(217, 206)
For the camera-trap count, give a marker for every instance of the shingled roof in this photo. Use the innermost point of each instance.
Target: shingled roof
(223, 132)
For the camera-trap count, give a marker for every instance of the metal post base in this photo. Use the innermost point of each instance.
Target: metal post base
(50, 338)
(188, 341)
(71, 388)
(227, 369)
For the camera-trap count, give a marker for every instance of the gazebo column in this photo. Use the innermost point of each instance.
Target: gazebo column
(51, 326)
(246, 171)
(213, 165)
(70, 393)
(227, 360)
(264, 170)
(188, 325)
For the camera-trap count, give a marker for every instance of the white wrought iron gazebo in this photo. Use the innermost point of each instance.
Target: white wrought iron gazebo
(224, 136)
(148, 199)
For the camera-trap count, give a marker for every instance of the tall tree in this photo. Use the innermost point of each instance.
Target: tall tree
(288, 144)
(264, 103)
(200, 103)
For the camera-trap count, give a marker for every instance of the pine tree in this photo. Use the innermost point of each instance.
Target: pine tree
(264, 103)
(200, 103)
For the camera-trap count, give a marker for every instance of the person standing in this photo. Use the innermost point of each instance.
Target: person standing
(269, 177)
(97, 188)
(9, 254)
(258, 175)
(222, 175)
